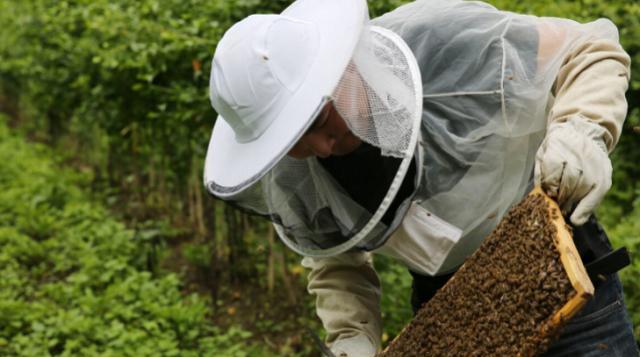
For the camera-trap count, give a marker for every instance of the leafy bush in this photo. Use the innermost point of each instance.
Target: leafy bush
(73, 282)
(126, 79)
(396, 296)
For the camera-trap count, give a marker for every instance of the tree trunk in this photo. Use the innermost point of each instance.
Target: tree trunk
(271, 260)
(215, 267)
(286, 278)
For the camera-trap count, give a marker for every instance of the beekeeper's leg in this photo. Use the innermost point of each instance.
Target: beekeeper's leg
(347, 292)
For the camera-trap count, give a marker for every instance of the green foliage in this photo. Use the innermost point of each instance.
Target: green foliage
(73, 283)
(127, 80)
(198, 255)
(396, 296)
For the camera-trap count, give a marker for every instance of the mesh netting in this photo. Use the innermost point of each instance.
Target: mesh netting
(486, 93)
(376, 95)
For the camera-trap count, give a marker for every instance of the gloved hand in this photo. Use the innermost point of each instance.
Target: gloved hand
(356, 346)
(573, 166)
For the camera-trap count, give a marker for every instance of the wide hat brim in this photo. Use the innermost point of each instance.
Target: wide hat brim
(232, 166)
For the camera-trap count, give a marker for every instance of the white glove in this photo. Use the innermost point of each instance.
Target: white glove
(356, 346)
(573, 166)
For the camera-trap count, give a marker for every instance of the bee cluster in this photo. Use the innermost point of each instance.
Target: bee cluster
(501, 300)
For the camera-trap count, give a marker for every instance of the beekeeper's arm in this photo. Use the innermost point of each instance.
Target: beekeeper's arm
(347, 292)
(585, 122)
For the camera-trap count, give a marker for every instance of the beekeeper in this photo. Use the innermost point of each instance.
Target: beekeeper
(411, 135)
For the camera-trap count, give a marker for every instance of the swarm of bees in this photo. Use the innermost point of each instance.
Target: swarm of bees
(502, 299)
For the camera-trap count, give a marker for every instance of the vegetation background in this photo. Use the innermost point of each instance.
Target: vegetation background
(108, 244)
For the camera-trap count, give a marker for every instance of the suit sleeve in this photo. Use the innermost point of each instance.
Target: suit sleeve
(347, 290)
(591, 85)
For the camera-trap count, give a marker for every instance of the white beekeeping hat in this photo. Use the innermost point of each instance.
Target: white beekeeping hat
(271, 76)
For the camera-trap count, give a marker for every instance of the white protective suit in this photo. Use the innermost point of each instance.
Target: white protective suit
(493, 82)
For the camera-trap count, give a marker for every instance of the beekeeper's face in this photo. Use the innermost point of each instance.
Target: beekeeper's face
(328, 135)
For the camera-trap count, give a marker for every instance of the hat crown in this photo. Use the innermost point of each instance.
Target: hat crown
(259, 64)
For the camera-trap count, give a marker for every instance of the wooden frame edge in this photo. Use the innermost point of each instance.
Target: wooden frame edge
(571, 262)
